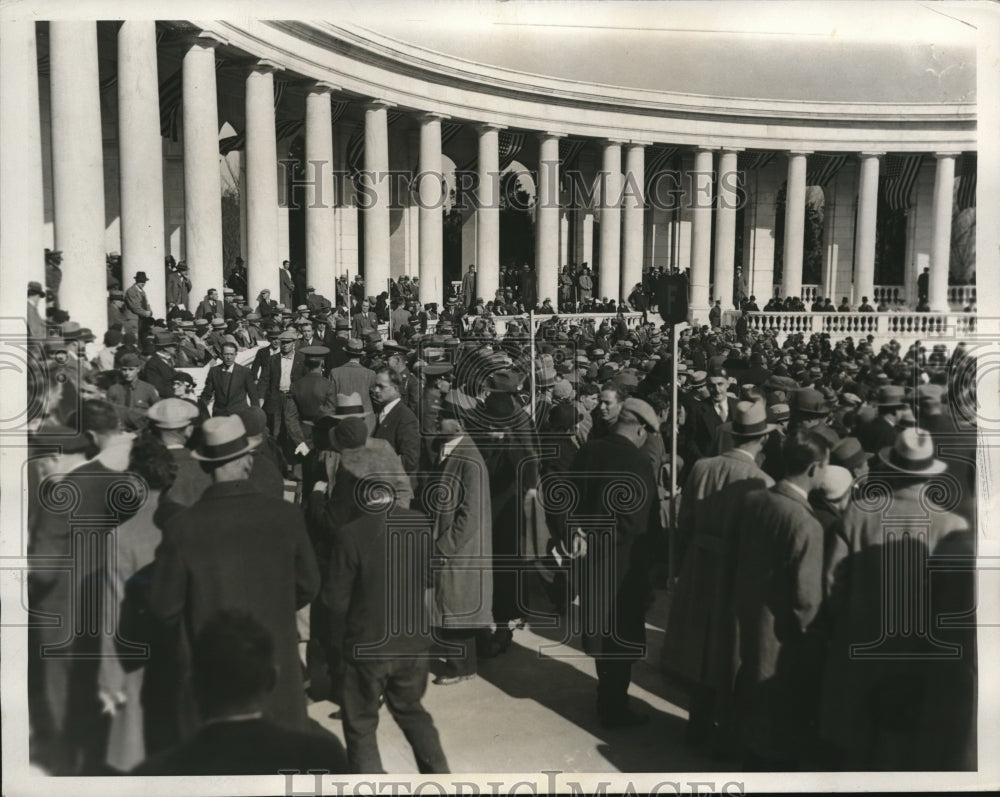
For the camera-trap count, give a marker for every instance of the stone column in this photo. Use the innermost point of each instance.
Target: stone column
(430, 195)
(140, 157)
(202, 181)
(700, 197)
(864, 238)
(21, 198)
(262, 188)
(78, 176)
(375, 185)
(725, 228)
(611, 220)
(944, 183)
(633, 215)
(321, 235)
(488, 211)
(795, 224)
(547, 218)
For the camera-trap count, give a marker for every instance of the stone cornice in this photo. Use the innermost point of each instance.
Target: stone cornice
(366, 65)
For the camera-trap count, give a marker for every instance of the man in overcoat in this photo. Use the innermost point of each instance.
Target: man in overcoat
(237, 549)
(700, 643)
(615, 482)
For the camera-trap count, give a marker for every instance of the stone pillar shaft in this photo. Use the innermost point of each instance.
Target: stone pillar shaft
(700, 198)
(488, 212)
(633, 217)
(937, 283)
(547, 219)
(262, 188)
(864, 239)
(431, 212)
(321, 241)
(795, 224)
(611, 221)
(375, 183)
(725, 229)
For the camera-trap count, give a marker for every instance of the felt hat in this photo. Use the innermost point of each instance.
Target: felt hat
(218, 323)
(354, 347)
(809, 402)
(848, 453)
(912, 454)
(642, 412)
(130, 360)
(750, 420)
(222, 439)
(349, 406)
(288, 334)
(349, 434)
(164, 339)
(891, 396)
(505, 381)
(314, 351)
(779, 412)
(140, 276)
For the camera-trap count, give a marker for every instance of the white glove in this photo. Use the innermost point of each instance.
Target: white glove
(301, 449)
(319, 486)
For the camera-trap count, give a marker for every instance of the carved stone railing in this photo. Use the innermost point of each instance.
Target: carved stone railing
(961, 296)
(883, 327)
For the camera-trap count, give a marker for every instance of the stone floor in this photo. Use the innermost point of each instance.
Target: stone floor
(532, 709)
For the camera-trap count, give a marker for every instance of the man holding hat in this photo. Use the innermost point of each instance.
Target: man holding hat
(237, 549)
(700, 642)
(881, 708)
(138, 315)
(614, 558)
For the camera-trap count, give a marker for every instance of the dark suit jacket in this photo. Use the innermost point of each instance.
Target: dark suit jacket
(237, 548)
(240, 392)
(362, 323)
(378, 570)
(259, 365)
(875, 435)
(402, 430)
(705, 423)
(270, 379)
(159, 375)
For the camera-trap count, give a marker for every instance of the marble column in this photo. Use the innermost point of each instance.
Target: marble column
(320, 196)
(725, 228)
(633, 215)
(944, 183)
(21, 199)
(202, 179)
(140, 158)
(700, 199)
(547, 218)
(78, 176)
(375, 185)
(262, 188)
(430, 193)
(864, 237)
(611, 220)
(488, 211)
(795, 224)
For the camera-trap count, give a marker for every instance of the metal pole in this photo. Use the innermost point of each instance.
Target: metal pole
(388, 287)
(531, 344)
(672, 532)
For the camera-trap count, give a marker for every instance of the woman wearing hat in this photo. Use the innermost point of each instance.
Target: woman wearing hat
(882, 708)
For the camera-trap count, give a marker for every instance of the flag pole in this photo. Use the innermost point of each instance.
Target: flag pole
(672, 532)
(388, 287)
(531, 344)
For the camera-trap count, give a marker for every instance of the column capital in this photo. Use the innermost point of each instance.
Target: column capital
(488, 127)
(204, 38)
(549, 134)
(377, 105)
(618, 141)
(431, 116)
(321, 86)
(704, 148)
(867, 154)
(265, 65)
(636, 143)
(946, 154)
(800, 152)
(731, 150)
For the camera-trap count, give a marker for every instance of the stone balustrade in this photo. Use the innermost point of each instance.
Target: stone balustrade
(961, 296)
(936, 327)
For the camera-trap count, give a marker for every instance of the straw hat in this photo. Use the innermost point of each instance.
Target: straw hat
(913, 454)
(750, 420)
(223, 439)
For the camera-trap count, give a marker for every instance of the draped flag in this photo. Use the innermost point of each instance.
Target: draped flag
(900, 175)
(337, 109)
(823, 168)
(569, 151)
(655, 158)
(746, 161)
(171, 94)
(283, 128)
(448, 131)
(967, 168)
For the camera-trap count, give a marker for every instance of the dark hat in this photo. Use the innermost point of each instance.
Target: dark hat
(112, 338)
(130, 360)
(222, 439)
(314, 351)
(848, 453)
(218, 323)
(913, 454)
(891, 396)
(809, 402)
(183, 376)
(778, 412)
(86, 335)
(392, 346)
(349, 433)
(505, 381)
(354, 347)
(182, 266)
(140, 276)
(35, 289)
(436, 370)
(164, 339)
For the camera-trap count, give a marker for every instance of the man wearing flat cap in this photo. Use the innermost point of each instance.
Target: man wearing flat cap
(614, 558)
(700, 642)
(238, 549)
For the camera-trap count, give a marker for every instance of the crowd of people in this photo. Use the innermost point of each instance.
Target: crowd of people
(261, 536)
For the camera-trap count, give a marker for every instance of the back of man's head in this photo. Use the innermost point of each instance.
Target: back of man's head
(802, 450)
(233, 659)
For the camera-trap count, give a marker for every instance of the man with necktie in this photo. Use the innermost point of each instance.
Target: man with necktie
(229, 385)
(138, 315)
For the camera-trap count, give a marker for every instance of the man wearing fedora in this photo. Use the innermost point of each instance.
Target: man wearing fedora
(700, 643)
(353, 377)
(880, 432)
(777, 596)
(277, 377)
(159, 369)
(228, 385)
(138, 316)
(907, 700)
(237, 549)
(178, 286)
